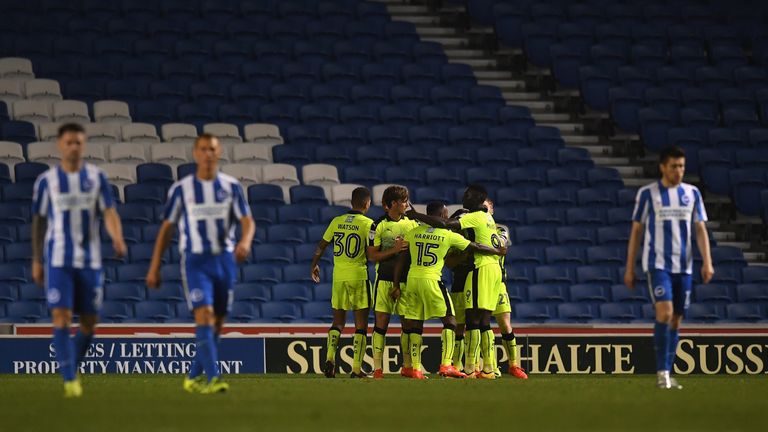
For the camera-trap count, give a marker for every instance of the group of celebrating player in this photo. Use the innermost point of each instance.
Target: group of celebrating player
(410, 250)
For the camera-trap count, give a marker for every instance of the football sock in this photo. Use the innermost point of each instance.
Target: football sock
(82, 343)
(405, 348)
(661, 343)
(415, 344)
(333, 344)
(472, 349)
(448, 337)
(378, 341)
(487, 345)
(458, 353)
(196, 369)
(510, 346)
(674, 337)
(207, 354)
(64, 352)
(358, 348)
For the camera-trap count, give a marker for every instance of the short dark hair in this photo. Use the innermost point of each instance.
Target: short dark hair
(435, 208)
(474, 196)
(70, 127)
(671, 152)
(205, 136)
(392, 194)
(360, 196)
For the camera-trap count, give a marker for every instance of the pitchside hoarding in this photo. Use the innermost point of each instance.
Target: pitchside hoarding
(301, 349)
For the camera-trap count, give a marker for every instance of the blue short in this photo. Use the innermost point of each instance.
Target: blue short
(674, 287)
(79, 290)
(209, 280)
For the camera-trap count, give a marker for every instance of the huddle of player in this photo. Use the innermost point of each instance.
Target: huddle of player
(410, 250)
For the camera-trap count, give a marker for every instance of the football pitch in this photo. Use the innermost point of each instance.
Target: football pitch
(312, 403)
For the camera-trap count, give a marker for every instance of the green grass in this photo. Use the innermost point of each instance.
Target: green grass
(308, 403)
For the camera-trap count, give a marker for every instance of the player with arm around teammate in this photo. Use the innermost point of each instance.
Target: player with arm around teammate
(665, 213)
(349, 233)
(206, 206)
(427, 296)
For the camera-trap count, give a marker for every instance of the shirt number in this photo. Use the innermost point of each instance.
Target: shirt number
(426, 257)
(349, 247)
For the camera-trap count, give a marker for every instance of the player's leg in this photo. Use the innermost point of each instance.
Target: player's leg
(360, 300)
(415, 331)
(89, 294)
(442, 306)
(660, 285)
(681, 300)
(489, 280)
(457, 300)
(472, 318)
(383, 308)
(402, 308)
(223, 296)
(332, 343)
(509, 342)
(359, 341)
(60, 293)
(340, 304)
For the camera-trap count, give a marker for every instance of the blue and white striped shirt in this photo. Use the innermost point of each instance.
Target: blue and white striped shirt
(72, 203)
(667, 214)
(205, 212)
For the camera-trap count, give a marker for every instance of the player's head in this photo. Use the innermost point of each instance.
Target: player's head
(672, 164)
(489, 205)
(474, 196)
(207, 151)
(361, 199)
(437, 209)
(71, 142)
(395, 199)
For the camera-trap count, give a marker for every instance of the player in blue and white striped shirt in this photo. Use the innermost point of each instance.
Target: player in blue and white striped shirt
(667, 210)
(206, 206)
(68, 200)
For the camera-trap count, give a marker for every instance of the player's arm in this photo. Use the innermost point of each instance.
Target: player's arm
(243, 248)
(702, 242)
(639, 218)
(487, 250)
(635, 236)
(434, 221)
(402, 259)
(247, 225)
(173, 208)
(115, 231)
(164, 236)
(315, 267)
(39, 226)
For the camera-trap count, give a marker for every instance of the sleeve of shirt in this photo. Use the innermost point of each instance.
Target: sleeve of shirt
(699, 212)
(239, 203)
(174, 206)
(458, 241)
(372, 235)
(106, 199)
(377, 229)
(469, 220)
(328, 236)
(40, 197)
(642, 203)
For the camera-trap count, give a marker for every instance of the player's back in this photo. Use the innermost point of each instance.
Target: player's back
(428, 247)
(349, 235)
(481, 229)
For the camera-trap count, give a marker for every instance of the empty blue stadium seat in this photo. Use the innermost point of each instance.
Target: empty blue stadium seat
(575, 312)
(617, 312)
(254, 292)
(124, 292)
(281, 311)
(745, 312)
(157, 311)
(295, 292)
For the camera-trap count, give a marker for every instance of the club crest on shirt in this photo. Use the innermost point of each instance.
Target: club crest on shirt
(685, 200)
(87, 185)
(658, 291)
(350, 219)
(221, 195)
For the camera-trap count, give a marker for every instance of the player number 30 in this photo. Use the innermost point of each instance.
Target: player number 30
(350, 246)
